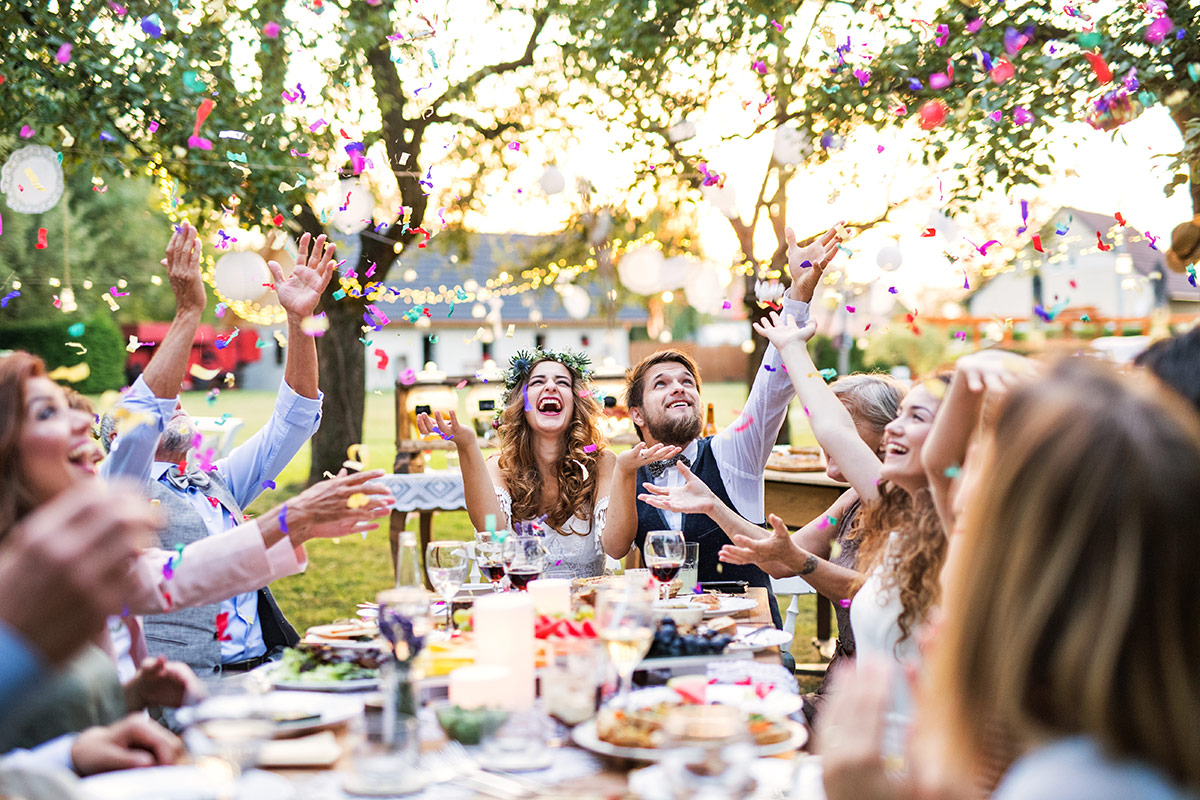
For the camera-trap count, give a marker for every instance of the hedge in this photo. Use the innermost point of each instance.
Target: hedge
(48, 339)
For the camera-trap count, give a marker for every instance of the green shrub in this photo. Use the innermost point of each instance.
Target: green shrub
(48, 339)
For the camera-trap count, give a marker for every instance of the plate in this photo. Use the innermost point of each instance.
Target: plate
(729, 604)
(342, 632)
(318, 711)
(355, 685)
(184, 783)
(772, 777)
(775, 703)
(750, 637)
(586, 737)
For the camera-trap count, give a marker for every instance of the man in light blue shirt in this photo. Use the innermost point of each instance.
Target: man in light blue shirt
(200, 498)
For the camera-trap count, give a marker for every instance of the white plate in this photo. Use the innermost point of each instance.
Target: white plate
(773, 778)
(751, 637)
(586, 737)
(184, 783)
(776, 703)
(355, 685)
(730, 604)
(330, 710)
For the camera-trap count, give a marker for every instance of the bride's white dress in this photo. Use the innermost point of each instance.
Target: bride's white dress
(575, 551)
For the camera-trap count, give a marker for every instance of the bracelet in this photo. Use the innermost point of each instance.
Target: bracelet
(283, 519)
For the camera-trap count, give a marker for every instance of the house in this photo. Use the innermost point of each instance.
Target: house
(1121, 274)
(459, 337)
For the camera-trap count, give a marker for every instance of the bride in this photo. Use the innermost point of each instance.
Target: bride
(553, 461)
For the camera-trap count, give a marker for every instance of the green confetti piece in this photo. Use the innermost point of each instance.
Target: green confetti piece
(953, 471)
(339, 294)
(76, 329)
(489, 523)
(828, 374)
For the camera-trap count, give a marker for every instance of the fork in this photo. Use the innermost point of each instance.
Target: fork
(441, 769)
(457, 756)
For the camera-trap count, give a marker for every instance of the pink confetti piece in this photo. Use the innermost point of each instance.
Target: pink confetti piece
(727, 305)
(591, 448)
(195, 140)
(461, 384)
(26, 132)
(318, 124)
(851, 309)
(749, 421)
(63, 56)
(271, 30)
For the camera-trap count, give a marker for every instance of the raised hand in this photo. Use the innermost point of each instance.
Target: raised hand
(693, 497)
(994, 370)
(806, 265)
(183, 269)
(300, 292)
(781, 332)
(771, 552)
(629, 460)
(339, 506)
(449, 428)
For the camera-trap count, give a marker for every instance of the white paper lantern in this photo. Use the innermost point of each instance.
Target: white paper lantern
(675, 273)
(639, 269)
(723, 198)
(359, 206)
(889, 257)
(32, 179)
(575, 300)
(705, 289)
(241, 275)
(792, 145)
(681, 131)
(552, 181)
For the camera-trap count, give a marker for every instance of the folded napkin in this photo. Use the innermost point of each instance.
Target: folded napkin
(319, 750)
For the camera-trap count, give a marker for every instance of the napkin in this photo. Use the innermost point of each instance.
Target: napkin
(319, 750)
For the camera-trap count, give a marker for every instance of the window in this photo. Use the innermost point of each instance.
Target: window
(487, 350)
(427, 350)
(539, 341)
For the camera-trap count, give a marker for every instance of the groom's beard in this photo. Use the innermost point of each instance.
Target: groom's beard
(675, 431)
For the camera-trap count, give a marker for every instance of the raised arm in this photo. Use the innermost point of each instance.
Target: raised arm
(945, 451)
(831, 422)
(299, 294)
(620, 528)
(168, 366)
(479, 483)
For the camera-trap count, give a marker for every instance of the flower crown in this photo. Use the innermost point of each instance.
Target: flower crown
(520, 365)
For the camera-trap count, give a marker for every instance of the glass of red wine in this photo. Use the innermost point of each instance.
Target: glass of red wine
(664, 556)
(489, 555)
(525, 560)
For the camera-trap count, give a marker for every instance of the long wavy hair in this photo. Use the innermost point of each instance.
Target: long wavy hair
(15, 499)
(913, 566)
(576, 475)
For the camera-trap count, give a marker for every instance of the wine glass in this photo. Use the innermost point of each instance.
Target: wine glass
(489, 555)
(664, 556)
(447, 564)
(525, 560)
(625, 621)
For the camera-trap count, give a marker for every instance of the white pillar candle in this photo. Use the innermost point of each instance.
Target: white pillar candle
(504, 637)
(551, 596)
(479, 686)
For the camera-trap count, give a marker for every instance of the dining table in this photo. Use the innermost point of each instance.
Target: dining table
(574, 772)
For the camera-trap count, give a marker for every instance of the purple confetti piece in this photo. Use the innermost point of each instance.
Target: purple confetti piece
(268, 484)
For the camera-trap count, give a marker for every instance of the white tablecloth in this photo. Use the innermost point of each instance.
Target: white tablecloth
(440, 490)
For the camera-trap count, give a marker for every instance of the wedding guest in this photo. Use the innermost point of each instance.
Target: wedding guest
(1176, 362)
(1077, 573)
(553, 461)
(201, 496)
(663, 397)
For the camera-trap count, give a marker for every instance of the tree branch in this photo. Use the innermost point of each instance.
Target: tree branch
(464, 87)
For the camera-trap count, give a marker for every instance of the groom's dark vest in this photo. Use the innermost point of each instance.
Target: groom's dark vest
(190, 634)
(700, 528)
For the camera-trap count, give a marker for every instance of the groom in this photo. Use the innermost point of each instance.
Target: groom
(663, 397)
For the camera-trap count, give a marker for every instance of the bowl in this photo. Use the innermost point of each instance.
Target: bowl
(469, 725)
(682, 611)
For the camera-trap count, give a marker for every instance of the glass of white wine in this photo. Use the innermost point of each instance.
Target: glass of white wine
(447, 564)
(625, 621)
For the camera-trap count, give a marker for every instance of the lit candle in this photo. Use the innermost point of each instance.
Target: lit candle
(479, 686)
(504, 637)
(551, 596)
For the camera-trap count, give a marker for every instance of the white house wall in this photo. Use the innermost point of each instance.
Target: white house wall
(1097, 285)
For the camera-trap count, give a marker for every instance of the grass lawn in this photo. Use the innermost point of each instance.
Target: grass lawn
(345, 572)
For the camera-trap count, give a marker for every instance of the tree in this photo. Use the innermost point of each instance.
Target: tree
(989, 83)
(307, 94)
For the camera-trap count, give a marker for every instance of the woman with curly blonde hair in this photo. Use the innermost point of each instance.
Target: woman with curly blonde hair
(553, 463)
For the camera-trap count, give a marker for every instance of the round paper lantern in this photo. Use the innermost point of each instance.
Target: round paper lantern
(32, 179)
(552, 181)
(791, 145)
(723, 199)
(240, 276)
(889, 258)
(705, 289)
(639, 269)
(675, 272)
(354, 208)
(575, 300)
(932, 114)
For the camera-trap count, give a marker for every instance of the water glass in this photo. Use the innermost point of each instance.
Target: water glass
(573, 675)
(378, 769)
(447, 565)
(690, 573)
(707, 752)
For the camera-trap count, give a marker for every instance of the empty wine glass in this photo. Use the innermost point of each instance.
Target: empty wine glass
(489, 555)
(525, 558)
(625, 621)
(447, 564)
(664, 556)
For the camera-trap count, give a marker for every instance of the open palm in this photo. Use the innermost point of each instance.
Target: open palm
(781, 331)
(300, 292)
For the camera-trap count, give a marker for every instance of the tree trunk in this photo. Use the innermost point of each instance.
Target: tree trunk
(343, 380)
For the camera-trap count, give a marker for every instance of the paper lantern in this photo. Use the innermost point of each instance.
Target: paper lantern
(552, 181)
(723, 198)
(705, 289)
(240, 276)
(354, 208)
(675, 272)
(681, 131)
(32, 179)
(639, 269)
(889, 258)
(575, 300)
(792, 145)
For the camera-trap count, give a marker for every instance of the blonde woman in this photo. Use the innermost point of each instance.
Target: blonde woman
(1071, 625)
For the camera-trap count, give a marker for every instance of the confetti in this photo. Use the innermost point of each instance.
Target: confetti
(382, 355)
(75, 374)
(1104, 248)
(749, 421)
(76, 329)
(195, 140)
(589, 448)
(203, 373)
(315, 325)
(953, 471)
(10, 296)
(928, 232)
(356, 457)
(1099, 67)
(357, 500)
(41, 239)
(221, 623)
(1037, 243)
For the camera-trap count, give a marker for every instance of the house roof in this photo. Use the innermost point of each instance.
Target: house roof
(489, 255)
